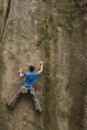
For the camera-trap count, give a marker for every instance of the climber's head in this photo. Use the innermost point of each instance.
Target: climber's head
(31, 68)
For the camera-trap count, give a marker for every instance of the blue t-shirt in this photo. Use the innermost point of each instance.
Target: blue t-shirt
(30, 78)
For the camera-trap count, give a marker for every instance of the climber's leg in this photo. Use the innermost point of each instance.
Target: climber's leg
(15, 98)
(35, 100)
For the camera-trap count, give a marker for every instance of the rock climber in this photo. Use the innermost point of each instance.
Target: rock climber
(27, 87)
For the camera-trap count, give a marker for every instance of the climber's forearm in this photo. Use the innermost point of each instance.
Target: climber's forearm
(21, 73)
(41, 67)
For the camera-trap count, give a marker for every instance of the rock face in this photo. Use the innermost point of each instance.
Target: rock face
(53, 31)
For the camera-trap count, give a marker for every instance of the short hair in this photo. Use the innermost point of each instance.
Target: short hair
(31, 68)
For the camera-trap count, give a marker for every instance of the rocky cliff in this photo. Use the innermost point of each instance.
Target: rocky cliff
(53, 31)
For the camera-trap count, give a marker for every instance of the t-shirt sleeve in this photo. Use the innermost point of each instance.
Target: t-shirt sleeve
(24, 74)
(36, 74)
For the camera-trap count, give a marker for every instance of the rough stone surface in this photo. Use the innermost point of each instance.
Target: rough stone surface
(53, 31)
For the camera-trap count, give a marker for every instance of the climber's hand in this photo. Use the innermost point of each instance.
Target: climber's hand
(41, 62)
(20, 70)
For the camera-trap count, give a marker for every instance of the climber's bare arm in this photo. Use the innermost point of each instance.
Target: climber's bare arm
(41, 67)
(21, 73)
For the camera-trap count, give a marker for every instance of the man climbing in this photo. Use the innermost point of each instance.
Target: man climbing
(30, 77)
